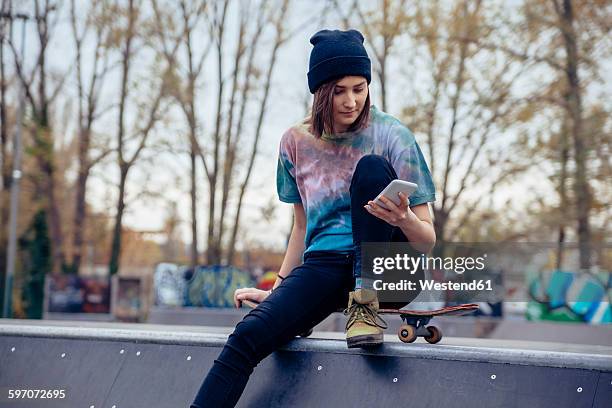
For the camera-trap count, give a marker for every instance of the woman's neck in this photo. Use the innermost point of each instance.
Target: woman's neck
(341, 128)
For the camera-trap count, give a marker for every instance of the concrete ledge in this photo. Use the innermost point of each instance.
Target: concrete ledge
(120, 365)
(477, 350)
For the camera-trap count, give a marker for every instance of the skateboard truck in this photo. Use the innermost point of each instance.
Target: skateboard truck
(417, 327)
(415, 322)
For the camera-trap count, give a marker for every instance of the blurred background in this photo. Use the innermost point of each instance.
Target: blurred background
(139, 141)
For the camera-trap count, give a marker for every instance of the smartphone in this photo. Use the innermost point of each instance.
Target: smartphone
(393, 188)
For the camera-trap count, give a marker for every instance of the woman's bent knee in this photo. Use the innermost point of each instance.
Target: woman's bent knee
(372, 171)
(371, 160)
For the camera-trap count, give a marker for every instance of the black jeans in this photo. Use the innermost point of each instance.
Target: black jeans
(310, 293)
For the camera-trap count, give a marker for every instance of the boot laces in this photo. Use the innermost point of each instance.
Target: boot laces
(364, 313)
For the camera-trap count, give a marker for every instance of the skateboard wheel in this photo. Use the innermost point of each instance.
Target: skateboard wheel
(435, 335)
(407, 333)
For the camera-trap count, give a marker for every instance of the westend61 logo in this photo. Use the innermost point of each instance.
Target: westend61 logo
(401, 274)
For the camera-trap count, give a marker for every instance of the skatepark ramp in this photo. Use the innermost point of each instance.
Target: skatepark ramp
(117, 365)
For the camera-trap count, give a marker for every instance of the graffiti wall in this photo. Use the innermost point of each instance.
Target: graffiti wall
(570, 296)
(209, 286)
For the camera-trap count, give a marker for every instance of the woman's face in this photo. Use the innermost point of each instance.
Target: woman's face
(350, 94)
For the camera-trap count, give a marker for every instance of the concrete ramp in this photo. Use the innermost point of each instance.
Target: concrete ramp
(116, 365)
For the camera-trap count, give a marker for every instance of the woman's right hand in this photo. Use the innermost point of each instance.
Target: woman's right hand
(253, 294)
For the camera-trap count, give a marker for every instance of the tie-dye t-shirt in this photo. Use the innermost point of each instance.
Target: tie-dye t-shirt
(318, 172)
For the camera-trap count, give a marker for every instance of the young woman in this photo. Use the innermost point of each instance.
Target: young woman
(330, 167)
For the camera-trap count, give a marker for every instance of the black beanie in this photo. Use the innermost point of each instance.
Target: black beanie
(336, 54)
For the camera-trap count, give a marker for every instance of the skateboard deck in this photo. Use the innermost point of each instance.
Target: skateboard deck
(448, 310)
(415, 322)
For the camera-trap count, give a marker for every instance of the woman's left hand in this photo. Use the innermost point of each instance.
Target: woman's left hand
(396, 215)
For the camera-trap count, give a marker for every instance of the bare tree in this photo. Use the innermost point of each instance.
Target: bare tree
(88, 109)
(186, 76)
(230, 145)
(460, 113)
(40, 99)
(148, 115)
(273, 14)
(463, 112)
(219, 159)
(565, 15)
(219, 153)
(580, 30)
(4, 139)
(5, 175)
(280, 38)
(381, 25)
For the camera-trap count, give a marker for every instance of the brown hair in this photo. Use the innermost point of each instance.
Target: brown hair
(322, 115)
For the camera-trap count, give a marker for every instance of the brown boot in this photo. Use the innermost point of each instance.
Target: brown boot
(364, 327)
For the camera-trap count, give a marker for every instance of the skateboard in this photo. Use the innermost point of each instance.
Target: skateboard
(415, 321)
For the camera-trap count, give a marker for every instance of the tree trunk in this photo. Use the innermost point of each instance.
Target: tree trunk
(55, 222)
(244, 101)
(581, 185)
(5, 173)
(194, 208)
(113, 266)
(189, 110)
(383, 59)
(87, 104)
(44, 147)
(440, 221)
(79, 213)
(212, 251)
(212, 254)
(262, 111)
(563, 202)
(5, 170)
(44, 142)
(228, 162)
